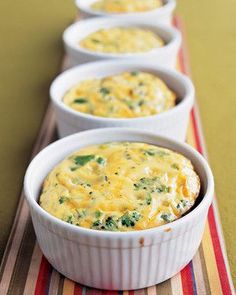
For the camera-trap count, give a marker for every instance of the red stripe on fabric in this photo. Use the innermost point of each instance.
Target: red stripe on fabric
(78, 289)
(94, 292)
(196, 133)
(131, 292)
(42, 280)
(106, 292)
(187, 283)
(218, 254)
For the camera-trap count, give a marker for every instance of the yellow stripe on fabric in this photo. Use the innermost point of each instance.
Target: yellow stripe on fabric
(212, 271)
(68, 288)
(190, 134)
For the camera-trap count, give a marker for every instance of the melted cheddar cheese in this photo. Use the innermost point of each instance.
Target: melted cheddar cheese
(120, 40)
(126, 6)
(121, 186)
(127, 95)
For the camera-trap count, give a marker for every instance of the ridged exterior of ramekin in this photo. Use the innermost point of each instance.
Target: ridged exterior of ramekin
(120, 264)
(116, 260)
(162, 16)
(172, 123)
(164, 56)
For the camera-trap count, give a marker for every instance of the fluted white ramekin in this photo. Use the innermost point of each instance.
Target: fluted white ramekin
(161, 15)
(165, 56)
(172, 123)
(116, 260)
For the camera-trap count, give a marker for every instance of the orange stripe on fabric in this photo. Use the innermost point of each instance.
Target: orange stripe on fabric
(68, 287)
(190, 133)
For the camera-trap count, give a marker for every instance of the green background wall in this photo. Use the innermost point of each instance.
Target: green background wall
(31, 52)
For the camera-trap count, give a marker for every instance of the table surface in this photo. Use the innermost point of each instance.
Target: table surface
(31, 52)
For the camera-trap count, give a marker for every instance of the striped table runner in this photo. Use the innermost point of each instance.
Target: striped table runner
(24, 270)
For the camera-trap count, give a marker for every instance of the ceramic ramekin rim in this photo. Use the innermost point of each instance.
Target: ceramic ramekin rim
(202, 206)
(167, 7)
(186, 101)
(126, 21)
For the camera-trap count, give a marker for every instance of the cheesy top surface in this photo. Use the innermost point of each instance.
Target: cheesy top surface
(126, 6)
(121, 40)
(127, 95)
(121, 186)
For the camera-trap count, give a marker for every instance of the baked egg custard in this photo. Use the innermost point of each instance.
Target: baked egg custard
(126, 6)
(121, 186)
(126, 95)
(120, 40)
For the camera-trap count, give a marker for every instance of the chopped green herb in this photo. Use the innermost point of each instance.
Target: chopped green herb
(100, 160)
(141, 102)
(80, 100)
(166, 217)
(110, 224)
(98, 214)
(82, 160)
(175, 166)
(150, 152)
(104, 91)
(75, 181)
(81, 213)
(97, 224)
(149, 199)
(129, 219)
(163, 189)
(73, 168)
(62, 199)
(145, 182)
(184, 203)
(130, 104)
(95, 41)
(105, 178)
(69, 219)
(134, 73)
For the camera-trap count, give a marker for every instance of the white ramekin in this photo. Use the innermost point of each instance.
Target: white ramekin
(116, 260)
(165, 56)
(161, 15)
(172, 123)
